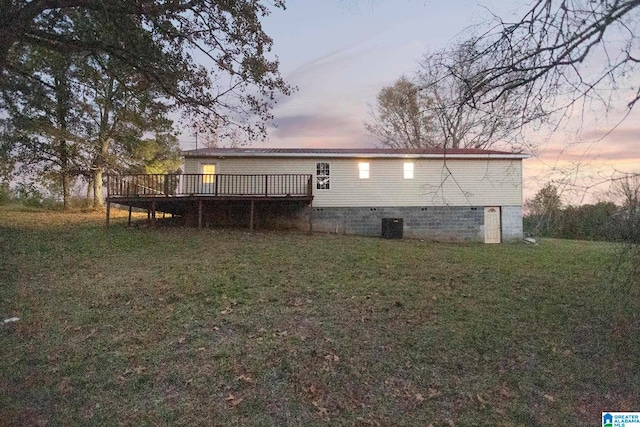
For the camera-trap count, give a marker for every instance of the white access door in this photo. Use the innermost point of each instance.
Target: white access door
(492, 225)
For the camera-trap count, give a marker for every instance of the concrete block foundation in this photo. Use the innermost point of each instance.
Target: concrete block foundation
(448, 223)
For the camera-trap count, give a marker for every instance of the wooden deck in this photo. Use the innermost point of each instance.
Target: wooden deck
(181, 194)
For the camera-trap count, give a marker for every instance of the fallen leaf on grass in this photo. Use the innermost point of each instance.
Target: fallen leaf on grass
(321, 409)
(505, 391)
(245, 378)
(433, 393)
(87, 411)
(332, 357)
(311, 390)
(64, 387)
(233, 400)
(369, 422)
(137, 370)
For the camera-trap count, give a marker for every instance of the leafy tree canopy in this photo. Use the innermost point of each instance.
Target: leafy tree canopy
(164, 42)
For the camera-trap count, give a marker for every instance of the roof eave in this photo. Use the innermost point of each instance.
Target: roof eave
(361, 155)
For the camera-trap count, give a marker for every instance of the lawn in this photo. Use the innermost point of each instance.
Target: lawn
(176, 326)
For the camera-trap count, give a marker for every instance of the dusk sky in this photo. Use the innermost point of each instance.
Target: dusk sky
(340, 53)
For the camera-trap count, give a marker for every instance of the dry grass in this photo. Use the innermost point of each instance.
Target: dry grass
(178, 326)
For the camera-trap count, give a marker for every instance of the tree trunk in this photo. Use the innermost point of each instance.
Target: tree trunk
(98, 198)
(63, 111)
(66, 184)
(89, 199)
(102, 149)
(99, 163)
(65, 177)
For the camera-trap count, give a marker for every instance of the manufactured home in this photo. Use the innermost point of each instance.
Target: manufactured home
(453, 194)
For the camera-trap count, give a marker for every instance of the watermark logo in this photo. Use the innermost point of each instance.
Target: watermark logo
(621, 419)
(607, 420)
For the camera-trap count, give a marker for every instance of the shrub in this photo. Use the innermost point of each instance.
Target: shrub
(31, 196)
(5, 194)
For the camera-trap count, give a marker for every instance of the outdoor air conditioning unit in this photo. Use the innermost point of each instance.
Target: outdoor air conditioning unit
(392, 228)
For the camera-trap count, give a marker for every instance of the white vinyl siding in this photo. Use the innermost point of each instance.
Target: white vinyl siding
(456, 182)
(193, 165)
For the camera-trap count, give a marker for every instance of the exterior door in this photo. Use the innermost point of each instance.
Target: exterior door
(208, 171)
(492, 225)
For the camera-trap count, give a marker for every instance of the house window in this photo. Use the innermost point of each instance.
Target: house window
(208, 170)
(322, 176)
(408, 171)
(364, 170)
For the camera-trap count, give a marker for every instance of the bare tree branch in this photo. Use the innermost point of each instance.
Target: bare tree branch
(562, 52)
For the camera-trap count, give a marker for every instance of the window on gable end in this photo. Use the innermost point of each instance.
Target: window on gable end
(363, 167)
(323, 175)
(408, 170)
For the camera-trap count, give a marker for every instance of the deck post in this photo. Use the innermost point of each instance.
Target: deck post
(199, 213)
(153, 213)
(252, 214)
(311, 217)
(108, 212)
(129, 221)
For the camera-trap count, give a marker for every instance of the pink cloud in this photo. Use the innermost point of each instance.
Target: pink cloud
(319, 131)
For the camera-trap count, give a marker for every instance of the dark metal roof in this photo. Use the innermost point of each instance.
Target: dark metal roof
(349, 152)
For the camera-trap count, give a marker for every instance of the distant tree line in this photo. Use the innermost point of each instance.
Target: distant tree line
(585, 222)
(619, 220)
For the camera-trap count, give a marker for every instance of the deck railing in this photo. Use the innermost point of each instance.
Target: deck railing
(197, 184)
